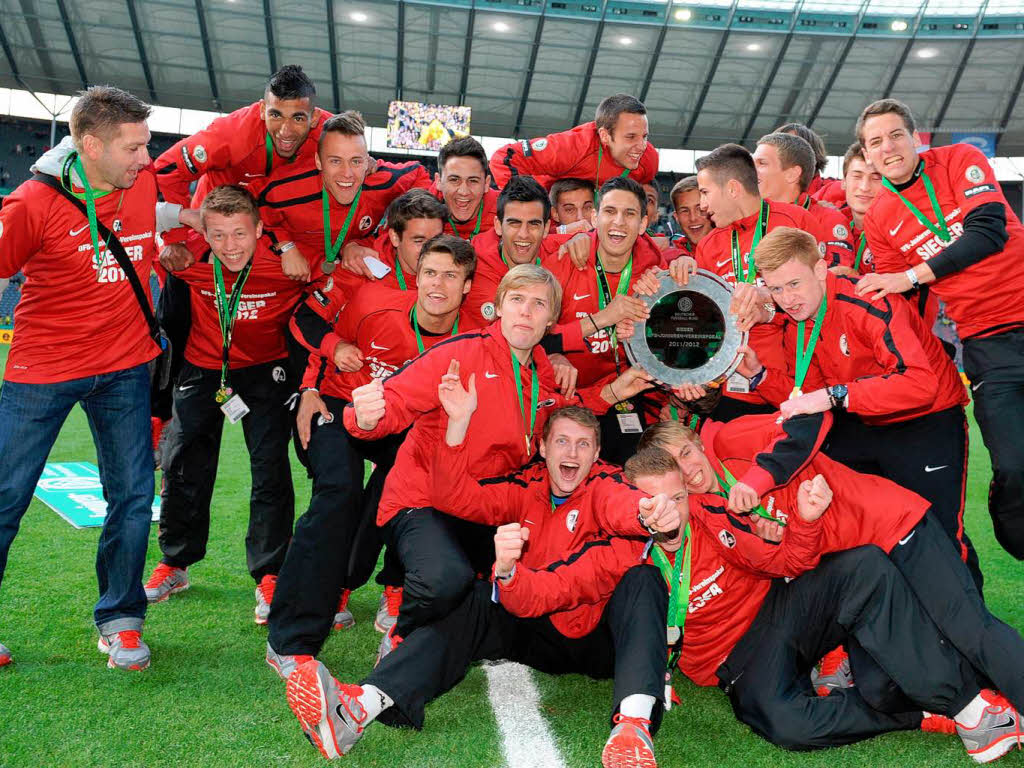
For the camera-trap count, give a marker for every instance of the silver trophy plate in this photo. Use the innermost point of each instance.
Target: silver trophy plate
(690, 337)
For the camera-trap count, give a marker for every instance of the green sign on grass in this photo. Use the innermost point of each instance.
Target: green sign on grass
(73, 491)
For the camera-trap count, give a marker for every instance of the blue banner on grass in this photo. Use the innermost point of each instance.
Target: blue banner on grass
(72, 490)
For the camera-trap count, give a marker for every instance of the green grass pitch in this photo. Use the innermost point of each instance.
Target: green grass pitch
(210, 700)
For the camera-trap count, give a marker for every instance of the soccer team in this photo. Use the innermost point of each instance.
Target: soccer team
(793, 534)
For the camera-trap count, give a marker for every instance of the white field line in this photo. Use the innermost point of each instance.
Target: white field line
(525, 735)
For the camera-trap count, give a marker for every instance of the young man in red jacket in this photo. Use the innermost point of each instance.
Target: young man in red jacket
(236, 366)
(694, 224)
(598, 297)
(315, 207)
(943, 222)
(568, 593)
(756, 635)
(572, 203)
(518, 391)
(615, 144)
(355, 342)
(281, 128)
(898, 398)
(82, 338)
(785, 166)
(463, 183)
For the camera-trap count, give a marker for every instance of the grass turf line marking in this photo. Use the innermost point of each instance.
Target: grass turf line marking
(525, 736)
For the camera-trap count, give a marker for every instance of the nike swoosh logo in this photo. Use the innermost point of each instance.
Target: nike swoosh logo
(490, 375)
(374, 346)
(974, 387)
(186, 387)
(935, 469)
(897, 228)
(576, 297)
(253, 175)
(722, 263)
(904, 541)
(77, 232)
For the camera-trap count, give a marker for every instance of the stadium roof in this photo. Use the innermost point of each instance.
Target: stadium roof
(708, 72)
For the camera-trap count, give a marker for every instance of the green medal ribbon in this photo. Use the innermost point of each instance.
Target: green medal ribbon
(939, 228)
(227, 308)
(861, 245)
(501, 253)
(597, 173)
(678, 578)
(694, 418)
(331, 251)
(604, 293)
(737, 257)
(400, 275)
(270, 155)
(416, 328)
(807, 203)
(534, 395)
(476, 229)
(805, 353)
(729, 480)
(90, 206)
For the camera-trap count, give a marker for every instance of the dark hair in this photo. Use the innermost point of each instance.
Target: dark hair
(290, 83)
(627, 185)
(687, 184)
(575, 413)
(793, 150)
(805, 133)
(730, 161)
(414, 204)
(657, 189)
(855, 150)
(466, 146)
(348, 123)
(523, 189)
(460, 250)
(227, 200)
(884, 107)
(102, 109)
(561, 186)
(609, 109)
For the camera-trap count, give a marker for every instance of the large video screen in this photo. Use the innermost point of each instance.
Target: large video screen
(412, 125)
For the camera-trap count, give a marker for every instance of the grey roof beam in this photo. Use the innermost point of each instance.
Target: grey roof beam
(271, 48)
(143, 59)
(710, 75)
(75, 53)
(657, 53)
(590, 65)
(834, 74)
(401, 45)
(332, 51)
(205, 37)
(528, 78)
(906, 51)
(961, 66)
(778, 59)
(1010, 105)
(467, 52)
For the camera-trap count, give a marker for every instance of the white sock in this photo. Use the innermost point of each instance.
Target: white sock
(970, 716)
(637, 705)
(374, 701)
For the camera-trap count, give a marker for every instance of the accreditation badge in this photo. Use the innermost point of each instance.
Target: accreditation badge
(234, 408)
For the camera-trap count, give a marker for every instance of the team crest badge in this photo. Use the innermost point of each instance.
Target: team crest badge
(844, 345)
(539, 145)
(117, 225)
(487, 310)
(727, 538)
(570, 520)
(199, 153)
(365, 223)
(840, 232)
(278, 374)
(821, 249)
(974, 174)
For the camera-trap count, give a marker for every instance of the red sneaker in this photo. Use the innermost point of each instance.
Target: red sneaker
(996, 732)
(388, 643)
(629, 745)
(387, 611)
(5, 656)
(833, 672)
(264, 597)
(938, 724)
(343, 618)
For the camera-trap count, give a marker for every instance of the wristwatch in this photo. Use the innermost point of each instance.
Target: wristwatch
(837, 396)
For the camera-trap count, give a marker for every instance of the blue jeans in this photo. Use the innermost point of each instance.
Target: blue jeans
(117, 407)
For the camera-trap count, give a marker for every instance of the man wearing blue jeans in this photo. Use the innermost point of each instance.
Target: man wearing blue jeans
(81, 337)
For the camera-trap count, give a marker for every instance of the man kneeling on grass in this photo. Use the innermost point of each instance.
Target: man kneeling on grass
(569, 592)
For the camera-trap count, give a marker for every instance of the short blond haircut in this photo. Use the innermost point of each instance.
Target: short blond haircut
(689, 184)
(783, 244)
(228, 200)
(652, 461)
(577, 414)
(522, 275)
(667, 434)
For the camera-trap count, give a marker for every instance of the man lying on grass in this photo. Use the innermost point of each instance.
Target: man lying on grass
(569, 592)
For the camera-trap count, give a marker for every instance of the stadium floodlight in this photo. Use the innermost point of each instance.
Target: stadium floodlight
(899, 26)
(753, 47)
(500, 26)
(683, 14)
(927, 53)
(625, 41)
(358, 16)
